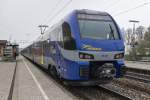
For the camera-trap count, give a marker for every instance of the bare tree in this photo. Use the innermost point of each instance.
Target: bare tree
(147, 40)
(140, 32)
(144, 44)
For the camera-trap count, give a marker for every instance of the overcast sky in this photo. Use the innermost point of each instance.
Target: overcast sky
(19, 18)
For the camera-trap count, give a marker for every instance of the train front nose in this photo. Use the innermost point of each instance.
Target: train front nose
(103, 72)
(106, 71)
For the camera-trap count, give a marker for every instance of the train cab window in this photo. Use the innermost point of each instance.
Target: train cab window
(100, 27)
(68, 40)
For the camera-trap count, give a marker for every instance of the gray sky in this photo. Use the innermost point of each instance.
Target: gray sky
(19, 18)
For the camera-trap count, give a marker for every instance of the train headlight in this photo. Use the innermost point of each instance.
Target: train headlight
(119, 56)
(85, 56)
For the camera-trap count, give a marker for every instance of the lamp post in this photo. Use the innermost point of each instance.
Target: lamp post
(133, 43)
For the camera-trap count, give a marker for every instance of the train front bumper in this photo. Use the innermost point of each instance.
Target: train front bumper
(90, 82)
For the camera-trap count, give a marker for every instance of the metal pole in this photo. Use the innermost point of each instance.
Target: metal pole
(42, 28)
(133, 33)
(133, 41)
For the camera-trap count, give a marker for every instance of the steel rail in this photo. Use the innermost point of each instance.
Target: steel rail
(137, 76)
(105, 88)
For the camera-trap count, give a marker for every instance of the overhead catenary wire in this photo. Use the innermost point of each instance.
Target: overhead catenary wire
(50, 12)
(131, 9)
(59, 11)
(113, 4)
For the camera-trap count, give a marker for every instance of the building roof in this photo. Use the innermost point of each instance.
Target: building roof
(3, 42)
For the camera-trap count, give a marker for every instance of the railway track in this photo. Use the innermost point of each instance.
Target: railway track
(105, 88)
(127, 89)
(139, 77)
(138, 74)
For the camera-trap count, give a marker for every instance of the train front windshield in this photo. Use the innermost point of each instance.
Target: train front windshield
(97, 27)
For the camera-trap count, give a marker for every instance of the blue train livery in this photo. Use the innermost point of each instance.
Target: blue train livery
(86, 47)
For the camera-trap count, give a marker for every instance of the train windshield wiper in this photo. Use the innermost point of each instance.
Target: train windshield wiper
(112, 32)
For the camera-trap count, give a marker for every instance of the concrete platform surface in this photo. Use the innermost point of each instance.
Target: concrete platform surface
(31, 83)
(6, 76)
(24, 85)
(138, 65)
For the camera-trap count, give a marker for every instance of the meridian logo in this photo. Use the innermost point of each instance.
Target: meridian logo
(89, 47)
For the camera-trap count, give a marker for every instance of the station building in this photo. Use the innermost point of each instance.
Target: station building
(2, 45)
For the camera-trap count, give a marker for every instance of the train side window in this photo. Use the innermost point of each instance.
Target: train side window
(68, 41)
(66, 30)
(60, 36)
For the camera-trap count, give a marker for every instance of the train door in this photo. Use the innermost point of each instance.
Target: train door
(64, 32)
(58, 47)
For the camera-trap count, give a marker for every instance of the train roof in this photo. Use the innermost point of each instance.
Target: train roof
(93, 12)
(78, 11)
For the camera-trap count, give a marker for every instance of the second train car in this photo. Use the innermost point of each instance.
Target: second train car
(86, 47)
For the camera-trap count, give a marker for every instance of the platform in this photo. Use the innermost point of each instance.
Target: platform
(6, 77)
(32, 83)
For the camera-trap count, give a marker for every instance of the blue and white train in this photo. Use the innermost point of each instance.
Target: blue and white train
(86, 47)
